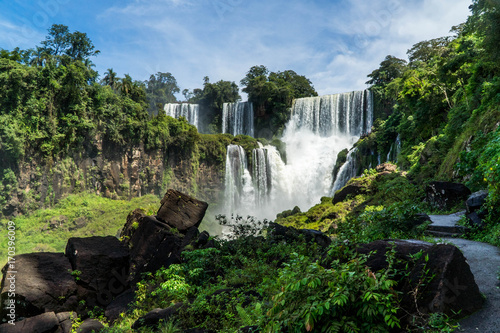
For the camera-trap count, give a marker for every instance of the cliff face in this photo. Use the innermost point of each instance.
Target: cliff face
(115, 172)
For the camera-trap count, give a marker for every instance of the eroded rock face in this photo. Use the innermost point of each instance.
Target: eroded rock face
(43, 283)
(445, 195)
(181, 211)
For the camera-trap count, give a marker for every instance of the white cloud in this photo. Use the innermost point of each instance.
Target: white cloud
(335, 44)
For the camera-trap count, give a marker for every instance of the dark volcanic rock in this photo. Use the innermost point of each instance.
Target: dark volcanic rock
(43, 283)
(100, 260)
(119, 305)
(440, 276)
(66, 321)
(133, 219)
(153, 318)
(153, 245)
(43, 323)
(475, 220)
(404, 250)
(445, 195)
(90, 326)
(475, 201)
(181, 211)
(451, 288)
(277, 233)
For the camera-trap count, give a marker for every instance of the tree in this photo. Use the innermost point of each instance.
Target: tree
(110, 79)
(272, 94)
(390, 69)
(485, 21)
(60, 42)
(161, 89)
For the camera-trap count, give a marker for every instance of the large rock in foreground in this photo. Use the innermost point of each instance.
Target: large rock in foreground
(43, 283)
(181, 211)
(438, 277)
(99, 259)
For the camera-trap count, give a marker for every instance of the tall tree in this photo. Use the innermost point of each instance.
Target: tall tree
(161, 89)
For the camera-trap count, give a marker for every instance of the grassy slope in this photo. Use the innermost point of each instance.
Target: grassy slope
(85, 214)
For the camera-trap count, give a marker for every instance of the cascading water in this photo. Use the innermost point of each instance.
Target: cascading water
(346, 172)
(237, 118)
(188, 111)
(239, 189)
(319, 129)
(261, 175)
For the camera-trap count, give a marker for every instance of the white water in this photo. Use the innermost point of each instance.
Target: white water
(237, 118)
(346, 172)
(188, 111)
(319, 129)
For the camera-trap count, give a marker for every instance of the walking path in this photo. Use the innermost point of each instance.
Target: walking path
(484, 262)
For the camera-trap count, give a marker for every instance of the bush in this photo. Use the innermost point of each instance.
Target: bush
(348, 297)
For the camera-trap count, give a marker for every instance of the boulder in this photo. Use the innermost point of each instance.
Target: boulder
(278, 233)
(446, 195)
(475, 220)
(440, 276)
(448, 287)
(103, 262)
(119, 305)
(90, 326)
(132, 223)
(66, 321)
(352, 189)
(43, 283)
(153, 318)
(154, 245)
(181, 211)
(43, 323)
(405, 249)
(475, 201)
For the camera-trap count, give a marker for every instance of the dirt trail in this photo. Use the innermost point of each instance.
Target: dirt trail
(484, 262)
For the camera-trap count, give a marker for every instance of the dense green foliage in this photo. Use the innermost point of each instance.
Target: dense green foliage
(272, 95)
(211, 99)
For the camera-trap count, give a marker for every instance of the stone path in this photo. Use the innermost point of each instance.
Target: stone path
(484, 262)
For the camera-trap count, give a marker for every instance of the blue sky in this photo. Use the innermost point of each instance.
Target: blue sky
(334, 43)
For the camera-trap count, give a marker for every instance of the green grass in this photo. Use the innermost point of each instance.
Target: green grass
(78, 215)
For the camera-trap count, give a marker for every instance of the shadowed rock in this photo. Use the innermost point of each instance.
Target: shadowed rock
(181, 211)
(446, 195)
(43, 283)
(43, 323)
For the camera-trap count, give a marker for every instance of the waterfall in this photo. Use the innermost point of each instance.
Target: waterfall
(237, 118)
(346, 172)
(319, 128)
(188, 111)
(340, 114)
(239, 189)
(261, 175)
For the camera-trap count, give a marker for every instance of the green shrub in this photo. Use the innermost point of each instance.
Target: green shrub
(348, 297)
